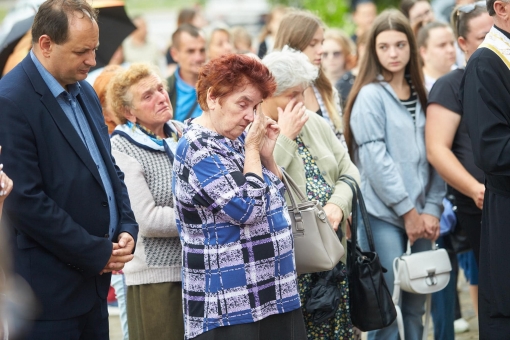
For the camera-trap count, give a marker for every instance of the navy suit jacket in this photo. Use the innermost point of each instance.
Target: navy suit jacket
(58, 211)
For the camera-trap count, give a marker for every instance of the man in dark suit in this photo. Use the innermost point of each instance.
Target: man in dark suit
(69, 213)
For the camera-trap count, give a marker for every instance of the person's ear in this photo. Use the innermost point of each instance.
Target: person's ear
(423, 52)
(462, 44)
(129, 115)
(211, 100)
(174, 52)
(45, 45)
(501, 9)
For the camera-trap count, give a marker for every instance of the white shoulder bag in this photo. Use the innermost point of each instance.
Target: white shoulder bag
(424, 272)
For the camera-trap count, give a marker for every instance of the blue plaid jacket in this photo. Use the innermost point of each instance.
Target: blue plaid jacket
(238, 258)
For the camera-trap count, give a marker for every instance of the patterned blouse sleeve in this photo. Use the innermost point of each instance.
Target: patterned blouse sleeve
(219, 184)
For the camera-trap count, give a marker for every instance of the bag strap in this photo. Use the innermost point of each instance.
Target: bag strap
(408, 250)
(357, 199)
(400, 320)
(191, 110)
(293, 189)
(396, 298)
(292, 186)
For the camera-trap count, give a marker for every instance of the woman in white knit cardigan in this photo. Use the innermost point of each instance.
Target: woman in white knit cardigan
(143, 147)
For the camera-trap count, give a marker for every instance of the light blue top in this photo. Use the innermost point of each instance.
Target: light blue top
(391, 156)
(186, 98)
(71, 107)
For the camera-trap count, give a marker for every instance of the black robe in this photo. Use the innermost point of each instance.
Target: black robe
(485, 95)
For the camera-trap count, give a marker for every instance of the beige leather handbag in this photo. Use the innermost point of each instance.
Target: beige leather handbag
(317, 247)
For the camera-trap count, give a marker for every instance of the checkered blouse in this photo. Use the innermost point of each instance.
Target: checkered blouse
(238, 258)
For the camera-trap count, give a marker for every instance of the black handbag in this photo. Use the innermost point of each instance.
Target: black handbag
(370, 300)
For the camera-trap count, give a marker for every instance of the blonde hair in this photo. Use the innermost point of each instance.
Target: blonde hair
(118, 94)
(241, 36)
(297, 30)
(348, 46)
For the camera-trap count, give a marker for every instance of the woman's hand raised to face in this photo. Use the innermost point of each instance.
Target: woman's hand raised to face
(257, 131)
(292, 119)
(272, 133)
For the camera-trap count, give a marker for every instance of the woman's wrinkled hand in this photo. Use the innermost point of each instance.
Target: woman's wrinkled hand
(334, 214)
(292, 119)
(257, 133)
(269, 143)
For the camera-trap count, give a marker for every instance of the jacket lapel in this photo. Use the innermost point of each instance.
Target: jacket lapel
(101, 138)
(59, 117)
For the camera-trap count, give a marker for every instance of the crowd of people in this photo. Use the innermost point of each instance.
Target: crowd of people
(161, 174)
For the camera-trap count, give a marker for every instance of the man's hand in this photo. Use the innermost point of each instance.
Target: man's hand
(334, 214)
(121, 253)
(126, 245)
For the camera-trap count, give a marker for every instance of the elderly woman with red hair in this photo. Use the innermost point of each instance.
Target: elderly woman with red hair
(239, 277)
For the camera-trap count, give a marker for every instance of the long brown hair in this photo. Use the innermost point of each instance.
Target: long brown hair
(389, 20)
(297, 30)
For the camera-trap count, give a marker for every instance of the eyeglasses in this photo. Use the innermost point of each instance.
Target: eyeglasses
(335, 54)
(468, 8)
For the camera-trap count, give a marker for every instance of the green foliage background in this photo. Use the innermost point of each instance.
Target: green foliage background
(334, 13)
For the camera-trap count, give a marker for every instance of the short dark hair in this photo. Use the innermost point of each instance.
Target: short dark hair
(356, 4)
(52, 19)
(490, 7)
(188, 28)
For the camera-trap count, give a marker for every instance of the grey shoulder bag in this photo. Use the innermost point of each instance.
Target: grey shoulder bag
(317, 247)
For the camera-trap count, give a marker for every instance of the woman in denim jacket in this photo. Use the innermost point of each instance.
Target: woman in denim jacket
(385, 131)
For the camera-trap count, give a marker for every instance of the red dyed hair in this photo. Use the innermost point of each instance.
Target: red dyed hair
(226, 74)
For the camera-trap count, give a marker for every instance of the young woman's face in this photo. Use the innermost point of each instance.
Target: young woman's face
(440, 53)
(393, 51)
(314, 49)
(478, 29)
(333, 57)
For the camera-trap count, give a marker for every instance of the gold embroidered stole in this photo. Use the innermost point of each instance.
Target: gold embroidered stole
(498, 43)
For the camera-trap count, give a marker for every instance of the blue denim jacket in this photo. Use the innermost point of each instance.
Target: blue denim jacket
(391, 156)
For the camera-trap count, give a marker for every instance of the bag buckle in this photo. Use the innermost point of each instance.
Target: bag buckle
(431, 279)
(322, 215)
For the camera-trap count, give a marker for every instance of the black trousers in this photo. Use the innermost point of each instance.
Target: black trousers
(494, 285)
(93, 325)
(286, 326)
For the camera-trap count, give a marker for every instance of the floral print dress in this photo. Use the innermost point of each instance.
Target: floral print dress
(338, 327)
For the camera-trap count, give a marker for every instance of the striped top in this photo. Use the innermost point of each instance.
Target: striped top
(410, 103)
(238, 258)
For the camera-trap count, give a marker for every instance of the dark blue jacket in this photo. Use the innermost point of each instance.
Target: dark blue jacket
(57, 213)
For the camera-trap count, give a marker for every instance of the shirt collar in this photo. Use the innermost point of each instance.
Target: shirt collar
(179, 82)
(502, 31)
(54, 86)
